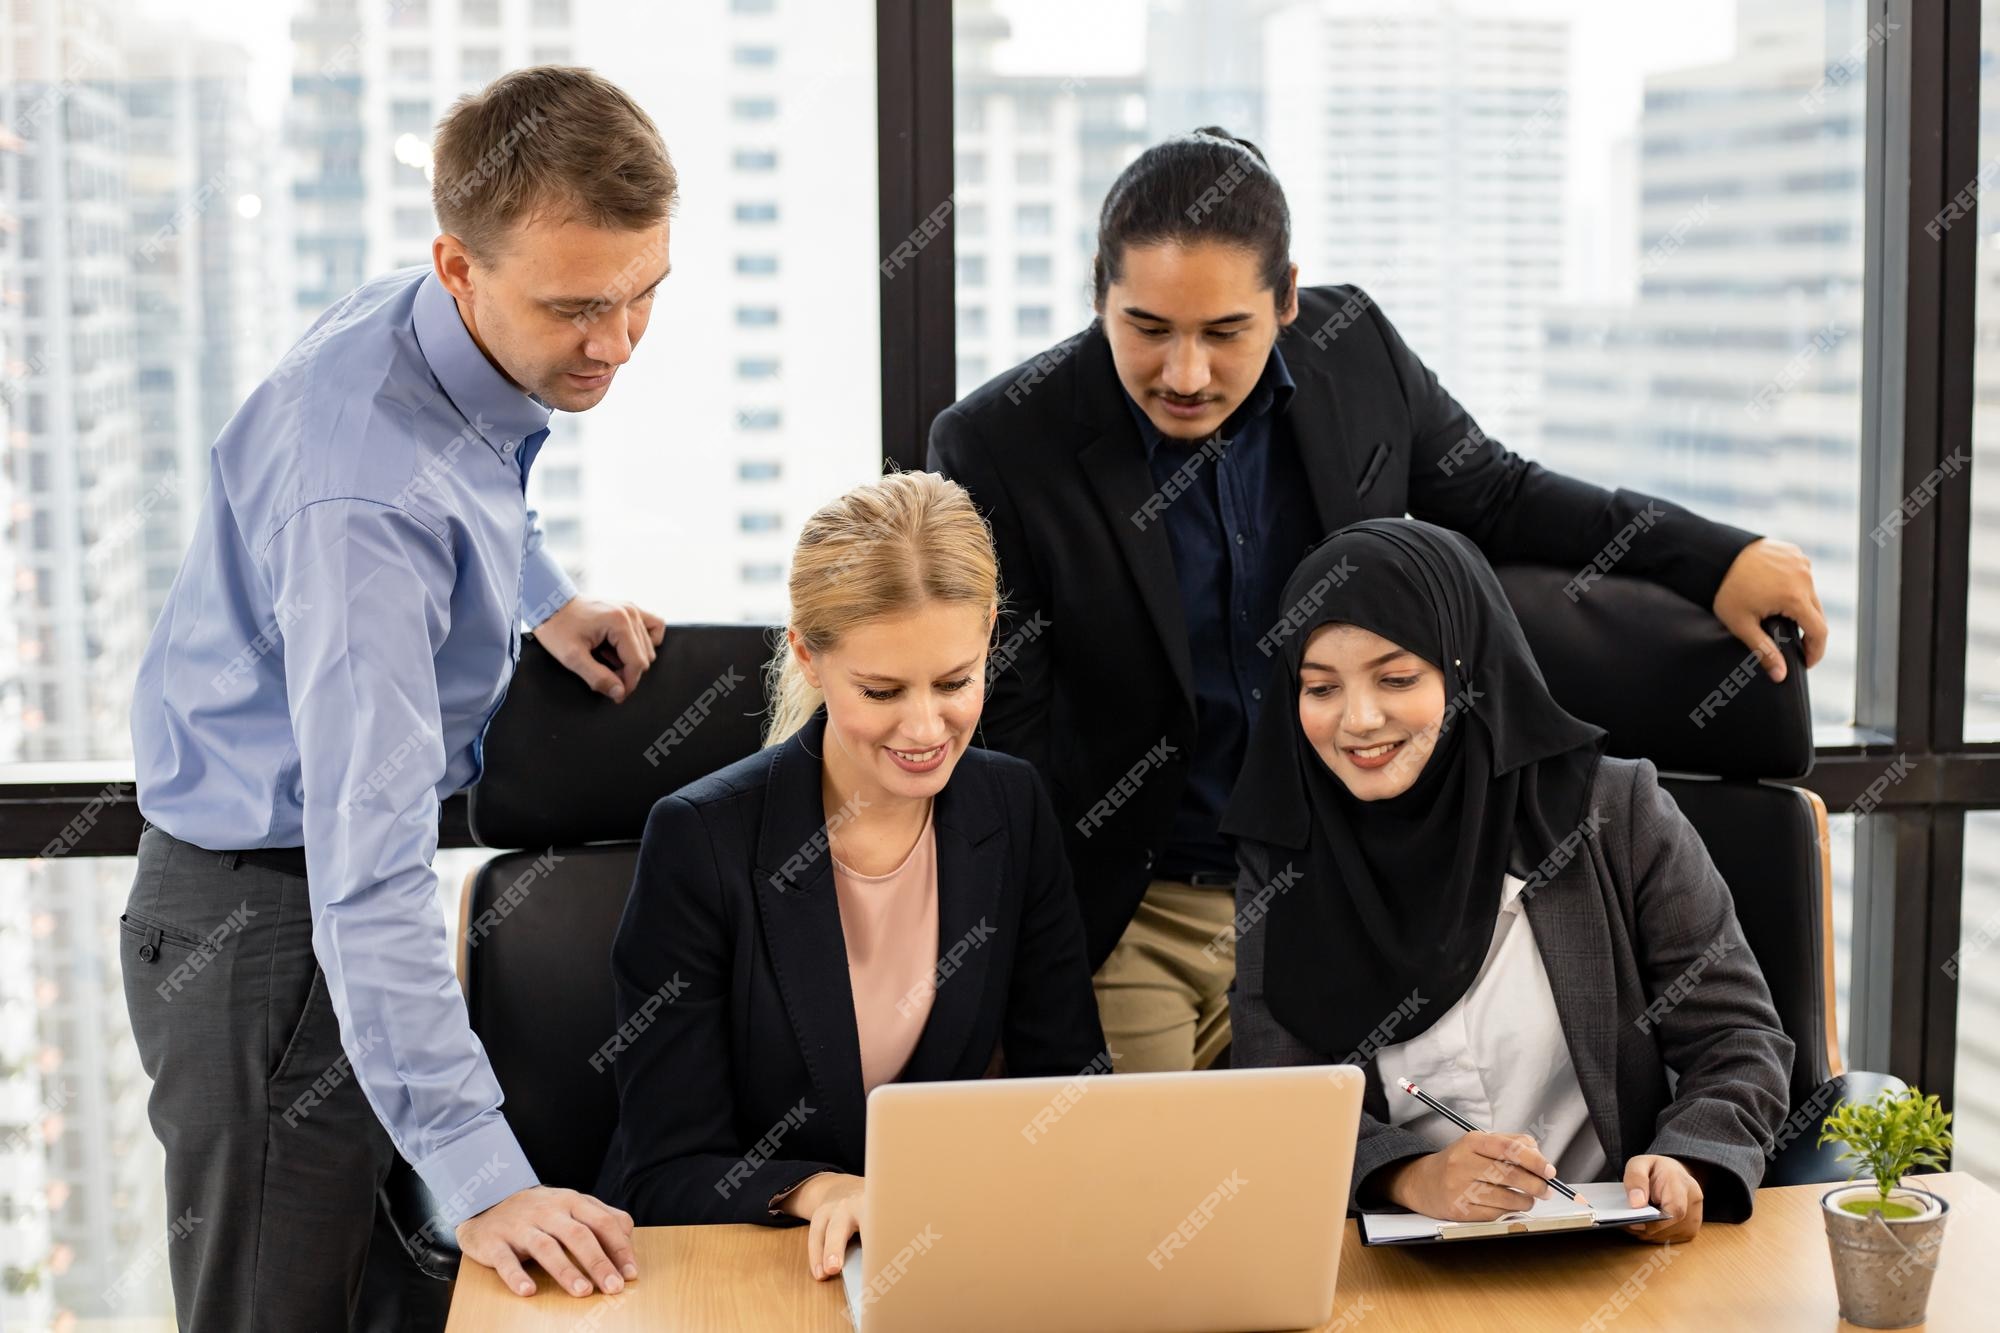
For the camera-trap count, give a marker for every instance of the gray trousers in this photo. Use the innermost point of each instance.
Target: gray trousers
(274, 1157)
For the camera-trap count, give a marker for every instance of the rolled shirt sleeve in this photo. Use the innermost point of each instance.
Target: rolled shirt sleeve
(545, 588)
(364, 590)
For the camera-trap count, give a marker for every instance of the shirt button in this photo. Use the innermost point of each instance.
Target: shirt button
(1256, 694)
(1239, 539)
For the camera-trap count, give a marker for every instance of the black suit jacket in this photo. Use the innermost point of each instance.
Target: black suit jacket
(1098, 686)
(742, 1072)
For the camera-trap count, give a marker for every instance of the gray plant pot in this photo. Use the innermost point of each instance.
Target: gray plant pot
(1882, 1267)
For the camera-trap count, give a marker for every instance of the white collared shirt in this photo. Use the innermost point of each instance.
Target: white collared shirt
(1498, 1057)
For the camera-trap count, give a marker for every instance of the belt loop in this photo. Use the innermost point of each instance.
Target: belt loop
(229, 860)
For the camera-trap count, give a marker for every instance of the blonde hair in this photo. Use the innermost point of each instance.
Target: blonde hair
(552, 137)
(882, 549)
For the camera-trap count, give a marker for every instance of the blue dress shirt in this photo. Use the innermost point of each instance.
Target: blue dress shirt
(342, 628)
(1241, 521)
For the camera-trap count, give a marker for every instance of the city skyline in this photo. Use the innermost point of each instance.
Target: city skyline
(1669, 300)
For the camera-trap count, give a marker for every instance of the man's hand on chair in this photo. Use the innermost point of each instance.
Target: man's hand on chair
(1771, 578)
(567, 1233)
(585, 632)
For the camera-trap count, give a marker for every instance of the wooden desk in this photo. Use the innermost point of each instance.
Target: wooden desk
(1769, 1273)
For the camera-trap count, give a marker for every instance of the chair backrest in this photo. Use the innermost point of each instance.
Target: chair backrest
(1670, 684)
(569, 779)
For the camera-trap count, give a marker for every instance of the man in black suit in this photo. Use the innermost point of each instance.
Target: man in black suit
(1152, 482)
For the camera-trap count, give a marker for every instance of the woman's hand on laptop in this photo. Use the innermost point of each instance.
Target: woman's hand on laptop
(1670, 1186)
(1476, 1179)
(831, 1201)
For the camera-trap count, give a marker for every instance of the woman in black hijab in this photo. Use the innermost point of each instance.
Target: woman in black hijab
(1445, 881)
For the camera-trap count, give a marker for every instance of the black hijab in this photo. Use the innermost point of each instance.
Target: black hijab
(1399, 895)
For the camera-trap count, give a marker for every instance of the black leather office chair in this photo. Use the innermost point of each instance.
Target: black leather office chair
(1670, 684)
(569, 780)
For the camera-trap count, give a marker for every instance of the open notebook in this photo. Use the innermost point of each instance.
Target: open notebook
(1599, 1204)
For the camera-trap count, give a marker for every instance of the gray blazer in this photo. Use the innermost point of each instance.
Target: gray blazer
(1702, 1075)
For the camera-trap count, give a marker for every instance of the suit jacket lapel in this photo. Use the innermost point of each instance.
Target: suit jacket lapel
(1319, 434)
(967, 817)
(1575, 943)
(1115, 463)
(801, 923)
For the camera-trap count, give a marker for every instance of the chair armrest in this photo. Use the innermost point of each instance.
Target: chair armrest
(406, 1201)
(1798, 1158)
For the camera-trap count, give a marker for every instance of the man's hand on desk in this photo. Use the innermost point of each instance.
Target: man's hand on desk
(575, 634)
(1670, 1186)
(1771, 578)
(552, 1227)
(832, 1201)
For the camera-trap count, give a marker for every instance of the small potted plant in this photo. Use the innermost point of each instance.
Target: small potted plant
(1884, 1235)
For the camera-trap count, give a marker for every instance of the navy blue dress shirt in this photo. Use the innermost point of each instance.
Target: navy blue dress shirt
(1240, 520)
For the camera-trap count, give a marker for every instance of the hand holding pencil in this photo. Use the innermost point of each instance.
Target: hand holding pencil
(1480, 1177)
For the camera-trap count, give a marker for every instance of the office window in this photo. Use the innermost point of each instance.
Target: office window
(752, 6)
(970, 168)
(760, 469)
(1033, 321)
(757, 367)
(409, 63)
(479, 13)
(972, 370)
(551, 13)
(972, 321)
(755, 159)
(1033, 270)
(757, 212)
(762, 571)
(479, 64)
(1033, 220)
(759, 521)
(755, 57)
(557, 54)
(972, 270)
(1032, 168)
(757, 316)
(414, 222)
(970, 219)
(756, 265)
(754, 108)
(759, 419)
(411, 116)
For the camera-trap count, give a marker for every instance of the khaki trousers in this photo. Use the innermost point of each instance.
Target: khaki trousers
(1163, 994)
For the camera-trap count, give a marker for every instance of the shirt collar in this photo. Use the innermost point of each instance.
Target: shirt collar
(1269, 397)
(503, 415)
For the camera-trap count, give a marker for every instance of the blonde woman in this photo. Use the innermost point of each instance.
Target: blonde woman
(866, 900)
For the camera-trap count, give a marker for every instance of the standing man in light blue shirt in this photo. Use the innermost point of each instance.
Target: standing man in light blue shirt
(341, 631)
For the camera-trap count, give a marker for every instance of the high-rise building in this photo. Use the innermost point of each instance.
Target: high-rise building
(79, 623)
(1731, 380)
(1430, 172)
(1035, 156)
(369, 83)
(207, 310)
(756, 396)
(1205, 66)
(27, 1297)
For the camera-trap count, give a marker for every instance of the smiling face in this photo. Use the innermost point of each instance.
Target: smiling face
(1191, 327)
(903, 695)
(560, 305)
(1371, 708)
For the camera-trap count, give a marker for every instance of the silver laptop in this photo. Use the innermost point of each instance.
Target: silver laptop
(1155, 1203)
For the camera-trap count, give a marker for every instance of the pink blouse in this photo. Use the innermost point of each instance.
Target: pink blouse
(891, 925)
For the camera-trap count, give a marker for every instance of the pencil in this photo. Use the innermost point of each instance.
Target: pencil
(1465, 1124)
